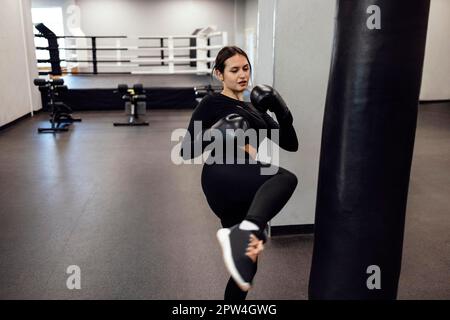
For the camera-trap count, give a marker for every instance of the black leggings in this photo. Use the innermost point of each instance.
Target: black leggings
(239, 191)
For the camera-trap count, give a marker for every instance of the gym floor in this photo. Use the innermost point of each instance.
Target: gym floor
(110, 201)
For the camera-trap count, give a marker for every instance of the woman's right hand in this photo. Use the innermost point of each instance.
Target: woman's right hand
(251, 151)
(255, 248)
(228, 125)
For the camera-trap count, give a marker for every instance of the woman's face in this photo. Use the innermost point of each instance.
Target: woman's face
(236, 74)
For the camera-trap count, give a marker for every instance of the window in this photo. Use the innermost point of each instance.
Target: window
(53, 19)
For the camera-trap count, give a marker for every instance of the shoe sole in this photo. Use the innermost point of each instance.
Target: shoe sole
(224, 241)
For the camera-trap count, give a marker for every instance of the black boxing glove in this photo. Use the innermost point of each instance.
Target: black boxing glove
(232, 121)
(204, 138)
(264, 97)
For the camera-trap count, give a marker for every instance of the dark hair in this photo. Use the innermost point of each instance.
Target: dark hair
(224, 54)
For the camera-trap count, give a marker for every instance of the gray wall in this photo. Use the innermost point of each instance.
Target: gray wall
(251, 13)
(303, 42)
(264, 60)
(250, 28)
(239, 23)
(436, 70)
(17, 64)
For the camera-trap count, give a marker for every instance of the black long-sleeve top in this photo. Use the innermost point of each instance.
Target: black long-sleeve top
(216, 106)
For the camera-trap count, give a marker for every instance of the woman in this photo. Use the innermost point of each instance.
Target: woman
(243, 198)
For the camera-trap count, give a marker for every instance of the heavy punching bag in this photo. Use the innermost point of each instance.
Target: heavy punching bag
(367, 146)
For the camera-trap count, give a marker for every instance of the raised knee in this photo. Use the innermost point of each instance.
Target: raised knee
(291, 179)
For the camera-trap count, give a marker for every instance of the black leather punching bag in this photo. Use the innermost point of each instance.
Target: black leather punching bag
(367, 146)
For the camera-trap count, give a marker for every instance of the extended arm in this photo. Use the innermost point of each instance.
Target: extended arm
(265, 98)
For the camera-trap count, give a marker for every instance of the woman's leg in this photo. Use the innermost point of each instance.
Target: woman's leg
(236, 192)
(271, 197)
(232, 290)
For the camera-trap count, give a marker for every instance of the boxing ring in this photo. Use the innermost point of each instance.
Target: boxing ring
(172, 68)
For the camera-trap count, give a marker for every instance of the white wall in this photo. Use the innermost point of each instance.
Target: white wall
(303, 43)
(156, 17)
(150, 18)
(30, 52)
(436, 71)
(64, 4)
(17, 94)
